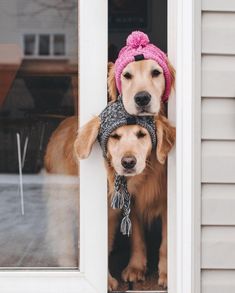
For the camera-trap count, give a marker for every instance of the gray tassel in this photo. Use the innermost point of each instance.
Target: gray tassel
(121, 200)
(117, 200)
(119, 190)
(126, 226)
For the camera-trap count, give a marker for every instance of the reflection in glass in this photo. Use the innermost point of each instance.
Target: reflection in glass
(59, 45)
(29, 44)
(44, 45)
(39, 211)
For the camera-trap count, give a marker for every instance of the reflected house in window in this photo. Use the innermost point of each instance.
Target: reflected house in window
(44, 83)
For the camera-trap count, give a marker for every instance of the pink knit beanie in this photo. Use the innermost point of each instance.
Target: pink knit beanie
(138, 47)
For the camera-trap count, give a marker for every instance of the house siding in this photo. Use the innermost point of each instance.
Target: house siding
(218, 147)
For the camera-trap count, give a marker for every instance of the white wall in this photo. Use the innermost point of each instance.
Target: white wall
(218, 146)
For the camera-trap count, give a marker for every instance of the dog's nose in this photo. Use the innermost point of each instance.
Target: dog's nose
(142, 99)
(128, 162)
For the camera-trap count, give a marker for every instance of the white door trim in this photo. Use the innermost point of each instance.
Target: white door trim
(184, 190)
(93, 40)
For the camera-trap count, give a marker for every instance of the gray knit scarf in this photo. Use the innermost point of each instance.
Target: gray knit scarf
(113, 117)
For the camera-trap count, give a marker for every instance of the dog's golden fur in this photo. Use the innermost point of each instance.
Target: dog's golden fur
(149, 189)
(140, 68)
(152, 195)
(60, 158)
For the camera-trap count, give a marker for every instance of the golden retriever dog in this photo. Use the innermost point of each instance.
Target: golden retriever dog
(143, 85)
(146, 183)
(62, 160)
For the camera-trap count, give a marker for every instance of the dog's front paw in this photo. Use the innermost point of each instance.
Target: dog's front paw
(112, 283)
(133, 274)
(162, 280)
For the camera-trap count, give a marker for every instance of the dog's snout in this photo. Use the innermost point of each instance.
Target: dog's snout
(142, 99)
(128, 162)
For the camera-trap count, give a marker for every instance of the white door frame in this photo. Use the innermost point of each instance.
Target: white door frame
(93, 52)
(92, 274)
(184, 166)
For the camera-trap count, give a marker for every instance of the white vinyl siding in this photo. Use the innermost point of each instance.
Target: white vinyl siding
(218, 147)
(218, 33)
(218, 119)
(218, 161)
(218, 75)
(218, 281)
(218, 5)
(218, 205)
(218, 247)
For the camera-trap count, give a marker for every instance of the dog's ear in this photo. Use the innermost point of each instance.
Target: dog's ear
(112, 89)
(172, 72)
(86, 137)
(165, 138)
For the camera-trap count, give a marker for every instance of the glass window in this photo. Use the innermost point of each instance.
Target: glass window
(44, 45)
(59, 45)
(39, 194)
(29, 44)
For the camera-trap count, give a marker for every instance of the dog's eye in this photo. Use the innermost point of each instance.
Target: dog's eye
(115, 136)
(140, 134)
(155, 73)
(127, 75)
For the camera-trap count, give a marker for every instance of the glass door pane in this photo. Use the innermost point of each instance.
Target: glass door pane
(39, 184)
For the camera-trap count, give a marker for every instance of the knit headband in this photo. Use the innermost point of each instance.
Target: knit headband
(137, 48)
(113, 117)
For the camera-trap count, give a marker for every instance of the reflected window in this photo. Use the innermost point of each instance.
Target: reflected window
(59, 45)
(44, 45)
(29, 45)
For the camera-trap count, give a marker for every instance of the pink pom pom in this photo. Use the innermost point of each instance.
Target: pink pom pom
(137, 39)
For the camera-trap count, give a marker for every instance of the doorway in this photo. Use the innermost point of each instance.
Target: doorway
(123, 18)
